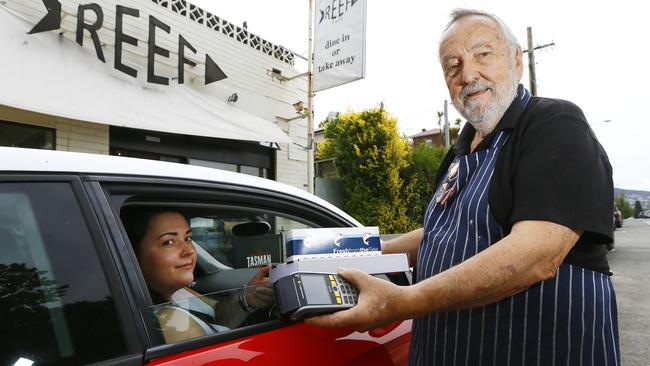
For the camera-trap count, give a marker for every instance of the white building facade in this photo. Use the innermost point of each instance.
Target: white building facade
(160, 79)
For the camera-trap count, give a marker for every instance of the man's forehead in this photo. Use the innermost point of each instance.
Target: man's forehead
(472, 31)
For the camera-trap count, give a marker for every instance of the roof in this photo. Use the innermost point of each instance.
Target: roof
(239, 34)
(47, 161)
(431, 132)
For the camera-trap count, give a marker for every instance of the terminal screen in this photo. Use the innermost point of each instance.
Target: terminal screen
(316, 289)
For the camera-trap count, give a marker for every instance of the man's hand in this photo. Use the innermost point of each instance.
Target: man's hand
(259, 291)
(380, 303)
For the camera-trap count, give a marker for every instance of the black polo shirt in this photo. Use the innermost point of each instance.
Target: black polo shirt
(552, 168)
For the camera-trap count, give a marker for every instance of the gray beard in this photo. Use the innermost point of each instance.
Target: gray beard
(485, 119)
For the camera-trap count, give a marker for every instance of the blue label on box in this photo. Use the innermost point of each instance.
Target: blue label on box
(333, 245)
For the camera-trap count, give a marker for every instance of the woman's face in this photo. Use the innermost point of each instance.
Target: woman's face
(167, 256)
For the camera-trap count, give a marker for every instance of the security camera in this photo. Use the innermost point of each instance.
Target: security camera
(298, 106)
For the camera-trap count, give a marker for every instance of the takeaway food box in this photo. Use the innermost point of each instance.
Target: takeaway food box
(324, 250)
(332, 241)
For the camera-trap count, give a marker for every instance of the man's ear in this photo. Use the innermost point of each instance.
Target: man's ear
(519, 63)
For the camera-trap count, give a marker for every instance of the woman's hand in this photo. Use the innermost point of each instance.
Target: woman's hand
(259, 291)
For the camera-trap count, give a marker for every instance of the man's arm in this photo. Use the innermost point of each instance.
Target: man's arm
(531, 253)
(408, 243)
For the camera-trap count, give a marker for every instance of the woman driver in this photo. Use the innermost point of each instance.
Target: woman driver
(163, 245)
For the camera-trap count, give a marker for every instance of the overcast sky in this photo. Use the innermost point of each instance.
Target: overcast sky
(599, 61)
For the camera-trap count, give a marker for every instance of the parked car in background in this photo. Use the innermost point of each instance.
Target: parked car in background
(72, 290)
(644, 214)
(618, 217)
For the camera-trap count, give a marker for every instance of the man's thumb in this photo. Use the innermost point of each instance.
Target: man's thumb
(351, 275)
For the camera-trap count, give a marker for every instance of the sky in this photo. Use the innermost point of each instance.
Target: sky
(600, 61)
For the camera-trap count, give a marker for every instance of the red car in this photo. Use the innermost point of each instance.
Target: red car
(73, 293)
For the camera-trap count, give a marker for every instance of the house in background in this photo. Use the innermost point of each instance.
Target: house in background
(433, 136)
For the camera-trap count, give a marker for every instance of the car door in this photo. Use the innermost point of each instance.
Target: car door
(61, 301)
(214, 209)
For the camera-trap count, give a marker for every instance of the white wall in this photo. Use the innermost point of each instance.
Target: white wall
(247, 69)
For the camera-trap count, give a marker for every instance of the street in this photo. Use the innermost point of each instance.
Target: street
(630, 263)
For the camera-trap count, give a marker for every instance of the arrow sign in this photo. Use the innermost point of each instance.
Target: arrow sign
(51, 20)
(212, 71)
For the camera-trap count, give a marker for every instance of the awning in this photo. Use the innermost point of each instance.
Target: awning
(50, 74)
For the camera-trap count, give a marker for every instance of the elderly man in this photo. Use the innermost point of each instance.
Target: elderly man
(511, 266)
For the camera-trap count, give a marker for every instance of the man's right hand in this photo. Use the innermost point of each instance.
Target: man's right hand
(380, 303)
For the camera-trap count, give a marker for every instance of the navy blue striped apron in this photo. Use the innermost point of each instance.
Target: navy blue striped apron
(567, 320)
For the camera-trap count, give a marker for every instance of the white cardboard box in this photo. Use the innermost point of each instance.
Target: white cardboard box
(371, 263)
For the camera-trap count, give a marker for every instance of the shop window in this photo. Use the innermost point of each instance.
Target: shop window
(244, 169)
(214, 164)
(253, 170)
(147, 155)
(55, 304)
(27, 136)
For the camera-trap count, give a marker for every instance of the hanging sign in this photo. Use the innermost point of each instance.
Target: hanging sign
(52, 21)
(339, 42)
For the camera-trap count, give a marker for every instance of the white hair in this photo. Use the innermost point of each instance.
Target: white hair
(457, 14)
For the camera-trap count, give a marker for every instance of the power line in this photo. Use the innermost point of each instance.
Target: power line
(417, 114)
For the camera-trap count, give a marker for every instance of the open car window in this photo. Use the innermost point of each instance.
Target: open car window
(191, 315)
(234, 246)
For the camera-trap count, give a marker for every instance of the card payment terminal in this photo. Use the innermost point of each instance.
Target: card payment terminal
(304, 294)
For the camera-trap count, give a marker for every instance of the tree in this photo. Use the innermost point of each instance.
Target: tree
(624, 206)
(419, 177)
(637, 208)
(370, 155)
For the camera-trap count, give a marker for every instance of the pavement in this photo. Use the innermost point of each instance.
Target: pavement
(630, 263)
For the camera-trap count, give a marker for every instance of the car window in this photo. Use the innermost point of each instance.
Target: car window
(232, 244)
(55, 304)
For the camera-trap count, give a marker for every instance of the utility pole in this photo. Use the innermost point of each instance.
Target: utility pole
(531, 60)
(446, 126)
(310, 102)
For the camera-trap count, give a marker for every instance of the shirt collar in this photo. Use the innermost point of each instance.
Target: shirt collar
(507, 122)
